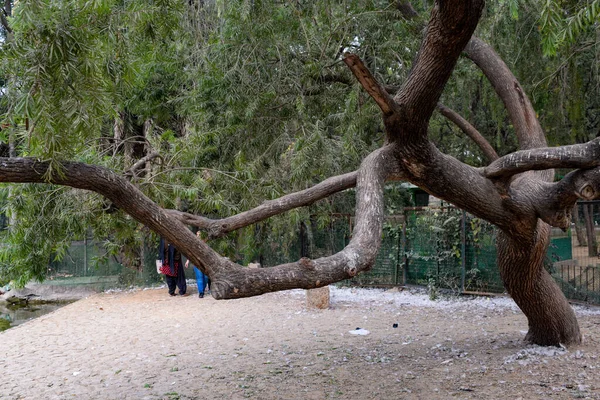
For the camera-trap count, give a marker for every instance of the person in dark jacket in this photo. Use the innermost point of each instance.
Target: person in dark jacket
(172, 268)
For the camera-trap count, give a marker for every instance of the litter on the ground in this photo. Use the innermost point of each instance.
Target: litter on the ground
(359, 331)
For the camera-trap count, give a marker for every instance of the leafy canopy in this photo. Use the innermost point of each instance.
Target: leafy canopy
(245, 101)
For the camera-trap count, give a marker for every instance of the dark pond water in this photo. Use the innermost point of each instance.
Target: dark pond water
(12, 315)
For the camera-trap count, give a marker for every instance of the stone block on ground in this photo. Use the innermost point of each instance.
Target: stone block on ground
(318, 298)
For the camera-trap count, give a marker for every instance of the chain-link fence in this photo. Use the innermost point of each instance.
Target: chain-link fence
(86, 263)
(441, 247)
(438, 247)
(447, 248)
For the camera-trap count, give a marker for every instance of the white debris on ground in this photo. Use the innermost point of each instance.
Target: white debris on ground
(273, 346)
(359, 331)
(417, 297)
(532, 354)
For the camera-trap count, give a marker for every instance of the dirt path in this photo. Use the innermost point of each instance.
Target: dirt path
(146, 345)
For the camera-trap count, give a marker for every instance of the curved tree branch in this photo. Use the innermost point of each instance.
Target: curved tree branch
(470, 131)
(120, 192)
(218, 228)
(456, 182)
(451, 26)
(231, 280)
(359, 255)
(520, 111)
(506, 85)
(584, 155)
(555, 201)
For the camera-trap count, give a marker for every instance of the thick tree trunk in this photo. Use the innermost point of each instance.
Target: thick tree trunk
(590, 229)
(552, 321)
(581, 240)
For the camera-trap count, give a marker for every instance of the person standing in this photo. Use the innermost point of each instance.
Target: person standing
(171, 267)
(201, 278)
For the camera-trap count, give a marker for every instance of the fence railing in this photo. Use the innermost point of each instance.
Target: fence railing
(442, 247)
(448, 248)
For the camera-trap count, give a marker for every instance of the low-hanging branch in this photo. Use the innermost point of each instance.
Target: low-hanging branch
(122, 193)
(584, 155)
(232, 281)
(220, 227)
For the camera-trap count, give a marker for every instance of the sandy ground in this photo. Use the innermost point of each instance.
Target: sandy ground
(145, 345)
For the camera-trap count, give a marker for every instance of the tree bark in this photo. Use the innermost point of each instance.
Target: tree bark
(451, 25)
(590, 230)
(358, 256)
(230, 280)
(581, 240)
(218, 228)
(516, 210)
(552, 321)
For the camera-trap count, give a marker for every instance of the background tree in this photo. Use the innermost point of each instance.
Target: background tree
(247, 101)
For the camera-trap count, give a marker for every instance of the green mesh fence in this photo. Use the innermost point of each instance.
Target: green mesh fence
(441, 247)
(80, 261)
(481, 272)
(85, 263)
(433, 247)
(309, 240)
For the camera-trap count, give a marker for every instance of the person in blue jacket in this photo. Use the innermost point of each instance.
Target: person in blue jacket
(172, 268)
(202, 279)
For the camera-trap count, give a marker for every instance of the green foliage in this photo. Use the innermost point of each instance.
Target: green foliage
(564, 23)
(247, 101)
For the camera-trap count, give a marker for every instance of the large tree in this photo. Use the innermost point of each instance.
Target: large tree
(515, 192)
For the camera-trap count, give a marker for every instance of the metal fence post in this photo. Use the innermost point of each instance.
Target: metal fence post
(463, 250)
(85, 263)
(403, 248)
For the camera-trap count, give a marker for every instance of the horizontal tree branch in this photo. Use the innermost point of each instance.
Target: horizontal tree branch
(455, 182)
(585, 155)
(231, 280)
(218, 228)
(119, 191)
